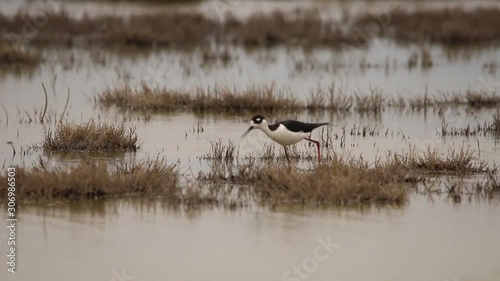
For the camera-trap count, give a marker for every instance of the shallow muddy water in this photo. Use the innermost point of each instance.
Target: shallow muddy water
(428, 238)
(383, 65)
(101, 240)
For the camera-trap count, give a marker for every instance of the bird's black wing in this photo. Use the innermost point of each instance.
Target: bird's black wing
(297, 126)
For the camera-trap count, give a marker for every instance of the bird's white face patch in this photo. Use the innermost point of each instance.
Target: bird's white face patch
(258, 120)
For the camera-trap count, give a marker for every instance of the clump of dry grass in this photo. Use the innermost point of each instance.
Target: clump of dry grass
(495, 124)
(220, 152)
(461, 160)
(144, 97)
(302, 27)
(451, 26)
(330, 99)
(192, 29)
(91, 136)
(484, 129)
(218, 98)
(16, 56)
(338, 182)
(479, 99)
(269, 97)
(253, 98)
(141, 30)
(96, 180)
(371, 102)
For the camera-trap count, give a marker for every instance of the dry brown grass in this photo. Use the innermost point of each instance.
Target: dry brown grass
(450, 26)
(95, 180)
(479, 99)
(180, 30)
(302, 27)
(487, 128)
(269, 97)
(495, 124)
(91, 136)
(338, 182)
(330, 98)
(173, 29)
(217, 98)
(371, 102)
(454, 161)
(230, 180)
(10, 56)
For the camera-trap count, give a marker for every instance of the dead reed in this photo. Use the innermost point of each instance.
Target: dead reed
(301, 27)
(192, 29)
(485, 129)
(91, 136)
(95, 180)
(371, 102)
(217, 98)
(479, 99)
(450, 26)
(454, 161)
(269, 97)
(234, 181)
(330, 98)
(338, 182)
(11, 56)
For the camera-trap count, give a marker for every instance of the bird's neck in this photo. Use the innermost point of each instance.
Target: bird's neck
(266, 130)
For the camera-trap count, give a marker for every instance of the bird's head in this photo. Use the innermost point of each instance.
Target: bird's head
(257, 122)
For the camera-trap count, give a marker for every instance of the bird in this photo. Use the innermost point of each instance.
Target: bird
(286, 132)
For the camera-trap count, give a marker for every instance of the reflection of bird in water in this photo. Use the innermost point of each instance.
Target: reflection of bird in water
(13, 149)
(286, 133)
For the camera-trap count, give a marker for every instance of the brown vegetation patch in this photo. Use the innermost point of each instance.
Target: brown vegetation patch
(482, 99)
(265, 98)
(485, 129)
(180, 29)
(218, 98)
(451, 26)
(16, 56)
(91, 136)
(338, 182)
(95, 180)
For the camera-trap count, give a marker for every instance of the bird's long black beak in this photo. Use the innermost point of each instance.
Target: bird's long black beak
(248, 131)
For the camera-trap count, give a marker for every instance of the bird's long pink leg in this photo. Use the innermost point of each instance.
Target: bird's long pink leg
(317, 145)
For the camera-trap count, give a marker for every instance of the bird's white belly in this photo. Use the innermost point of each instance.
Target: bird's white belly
(285, 137)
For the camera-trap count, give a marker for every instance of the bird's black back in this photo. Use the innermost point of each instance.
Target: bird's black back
(297, 126)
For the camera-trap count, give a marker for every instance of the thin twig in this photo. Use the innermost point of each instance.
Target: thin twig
(7, 114)
(46, 102)
(65, 106)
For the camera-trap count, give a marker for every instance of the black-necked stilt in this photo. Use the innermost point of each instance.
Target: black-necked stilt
(286, 133)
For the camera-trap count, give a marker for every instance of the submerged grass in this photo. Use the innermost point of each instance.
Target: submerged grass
(449, 26)
(456, 161)
(487, 128)
(230, 180)
(10, 56)
(95, 180)
(300, 27)
(192, 29)
(91, 136)
(269, 97)
(338, 182)
(218, 98)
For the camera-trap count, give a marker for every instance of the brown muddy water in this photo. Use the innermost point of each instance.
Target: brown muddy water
(429, 239)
